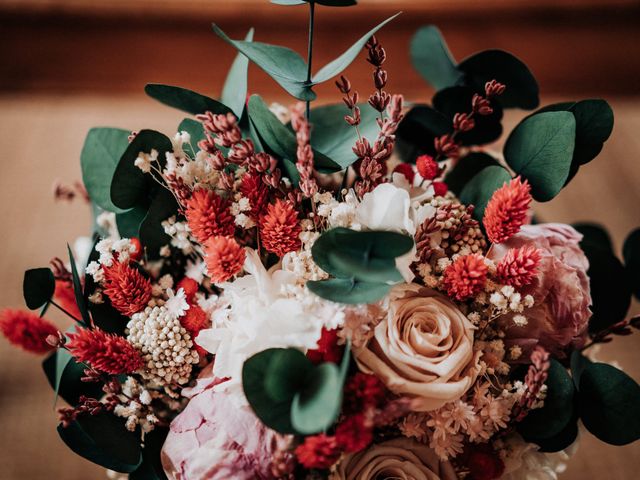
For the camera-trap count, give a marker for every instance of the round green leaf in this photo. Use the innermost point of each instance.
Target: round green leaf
(610, 404)
(480, 188)
(420, 126)
(553, 417)
(540, 149)
(286, 373)
(104, 440)
(560, 441)
(467, 168)
(432, 59)
(350, 291)
(100, 155)
(38, 287)
(152, 235)
(316, 408)
(128, 222)
(594, 235)
(65, 377)
(631, 254)
(578, 363)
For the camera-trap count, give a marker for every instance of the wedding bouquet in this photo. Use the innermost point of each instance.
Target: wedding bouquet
(350, 291)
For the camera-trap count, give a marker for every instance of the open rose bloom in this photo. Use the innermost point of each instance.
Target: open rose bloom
(286, 293)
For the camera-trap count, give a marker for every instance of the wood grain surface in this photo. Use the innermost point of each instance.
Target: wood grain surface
(40, 141)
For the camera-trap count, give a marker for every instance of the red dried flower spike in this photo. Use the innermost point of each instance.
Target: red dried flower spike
(519, 266)
(406, 170)
(208, 215)
(27, 330)
(507, 210)
(363, 391)
(328, 349)
(128, 290)
(66, 297)
(427, 167)
(280, 229)
(354, 433)
(465, 277)
(318, 451)
(106, 352)
(256, 191)
(224, 258)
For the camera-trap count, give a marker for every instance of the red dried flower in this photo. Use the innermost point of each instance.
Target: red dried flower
(190, 287)
(483, 463)
(224, 258)
(256, 191)
(194, 320)
(363, 391)
(406, 170)
(27, 330)
(519, 266)
(318, 451)
(328, 349)
(354, 433)
(507, 210)
(105, 352)
(208, 215)
(137, 254)
(440, 189)
(66, 297)
(128, 290)
(465, 277)
(280, 229)
(427, 167)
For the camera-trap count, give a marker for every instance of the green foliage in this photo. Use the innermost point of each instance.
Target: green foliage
(610, 404)
(540, 149)
(184, 99)
(152, 235)
(420, 126)
(151, 467)
(557, 412)
(77, 289)
(130, 186)
(631, 254)
(578, 363)
(64, 376)
(594, 124)
(363, 264)
(234, 91)
(38, 287)
(609, 284)
(432, 59)
(104, 440)
(291, 395)
(101, 152)
(128, 222)
(467, 168)
(195, 129)
(480, 188)
(281, 140)
(289, 69)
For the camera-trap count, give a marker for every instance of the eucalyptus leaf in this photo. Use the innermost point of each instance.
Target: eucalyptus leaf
(631, 254)
(540, 149)
(343, 61)
(480, 188)
(184, 99)
(466, 168)
(595, 234)
(286, 373)
(234, 91)
(151, 467)
(196, 131)
(128, 222)
(318, 405)
(152, 234)
(282, 64)
(100, 154)
(130, 186)
(432, 59)
(578, 363)
(420, 126)
(65, 377)
(610, 404)
(104, 440)
(557, 412)
(349, 290)
(38, 287)
(560, 441)
(522, 88)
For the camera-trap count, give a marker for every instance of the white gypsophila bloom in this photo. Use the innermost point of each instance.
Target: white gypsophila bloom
(176, 303)
(523, 461)
(520, 320)
(178, 141)
(166, 347)
(261, 310)
(244, 221)
(179, 233)
(146, 160)
(95, 270)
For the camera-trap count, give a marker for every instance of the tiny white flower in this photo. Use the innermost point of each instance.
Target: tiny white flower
(176, 304)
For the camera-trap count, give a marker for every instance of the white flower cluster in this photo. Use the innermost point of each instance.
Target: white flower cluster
(338, 214)
(238, 208)
(109, 250)
(146, 160)
(135, 409)
(179, 233)
(508, 300)
(165, 345)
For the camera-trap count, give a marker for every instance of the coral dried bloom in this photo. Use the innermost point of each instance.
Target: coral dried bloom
(224, 258)
(208, 215)
(519, 266)
(256, 191)
(106, 352)
(465, 277)
(507, 210)
(318, 451)
(280, 229)
(427, 167)
(128, 290)
(27, 330)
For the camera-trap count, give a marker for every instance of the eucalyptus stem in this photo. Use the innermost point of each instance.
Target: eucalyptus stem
(312, 14)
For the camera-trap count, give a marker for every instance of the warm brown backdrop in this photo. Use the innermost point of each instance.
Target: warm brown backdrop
(68, 65)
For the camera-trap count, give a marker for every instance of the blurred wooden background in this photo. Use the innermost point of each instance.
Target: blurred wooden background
(68, 65)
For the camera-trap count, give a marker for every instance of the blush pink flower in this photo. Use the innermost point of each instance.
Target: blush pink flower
(561, 292)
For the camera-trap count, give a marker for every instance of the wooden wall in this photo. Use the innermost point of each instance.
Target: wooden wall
(585, 47)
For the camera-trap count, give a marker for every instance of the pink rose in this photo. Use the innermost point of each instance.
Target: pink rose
(400, 458)
(423, 349)
(560, 316)
(217, 437)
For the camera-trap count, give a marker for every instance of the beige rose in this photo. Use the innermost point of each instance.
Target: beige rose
(400, 458)
(423, 349)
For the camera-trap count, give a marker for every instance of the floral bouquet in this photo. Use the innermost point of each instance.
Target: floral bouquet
(350, 291)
